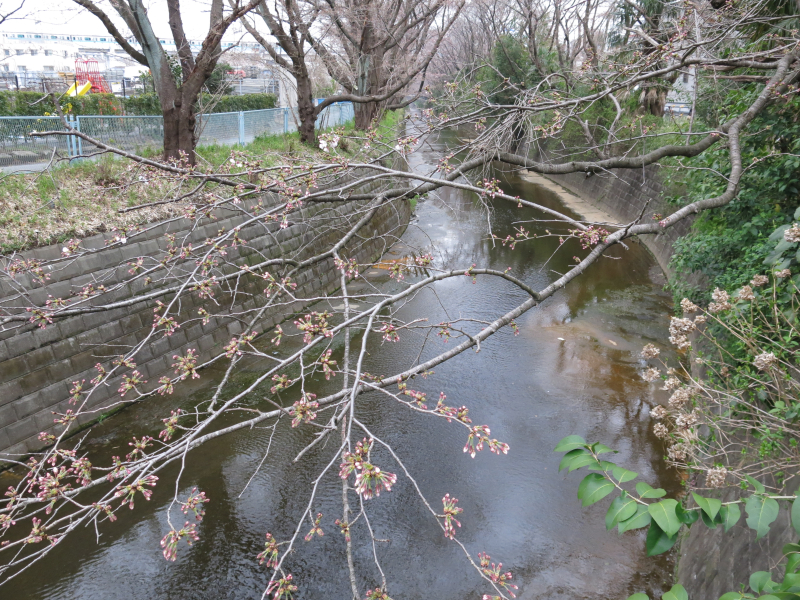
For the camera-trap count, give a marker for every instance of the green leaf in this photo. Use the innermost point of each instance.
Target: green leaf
(571, 442)
(759, 581)
(620, 509)
(731, 596)
(594, 487)
(575, 459)
(676, 593)
(710, 523)
(639, 596)
(601, 448)
(730, 515)
(602, 465)
(657, 541)
(710, 506)
(623, 475)
(797, 214)
(567, 459)
(796, 515)
(792, 563)
(641, 519)
(645, 491)
(664, 514)
(790, 580)
(756, 484)
(687, 517)
(778, 233)
(761, 512)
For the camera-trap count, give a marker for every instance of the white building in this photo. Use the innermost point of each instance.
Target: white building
(28, 58)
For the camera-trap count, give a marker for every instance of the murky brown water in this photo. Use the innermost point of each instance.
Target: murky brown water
(532, 390)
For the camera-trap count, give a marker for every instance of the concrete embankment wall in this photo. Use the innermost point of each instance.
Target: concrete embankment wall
(623, 194)
(38, 366)
(710, 561)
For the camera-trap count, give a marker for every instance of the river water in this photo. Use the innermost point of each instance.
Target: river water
(573, 369)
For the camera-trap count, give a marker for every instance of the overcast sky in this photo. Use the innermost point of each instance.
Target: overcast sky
(64, 16)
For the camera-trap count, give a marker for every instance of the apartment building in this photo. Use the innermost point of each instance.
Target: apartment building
(27, 59)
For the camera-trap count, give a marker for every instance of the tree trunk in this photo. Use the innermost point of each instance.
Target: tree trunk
(306, 109)
(365, 112)
(179, 132)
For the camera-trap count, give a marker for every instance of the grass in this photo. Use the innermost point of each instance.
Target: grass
(84, 198)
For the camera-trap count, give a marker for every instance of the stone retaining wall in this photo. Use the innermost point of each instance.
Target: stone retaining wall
(711, 562)
(623, 193)
(38, 366)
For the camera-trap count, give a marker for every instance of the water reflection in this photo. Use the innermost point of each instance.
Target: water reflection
(572, 369)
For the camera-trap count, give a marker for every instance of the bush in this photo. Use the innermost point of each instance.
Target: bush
(729, 244)
(143, 104)
(246, 102)
(147, 104)
(31, 104)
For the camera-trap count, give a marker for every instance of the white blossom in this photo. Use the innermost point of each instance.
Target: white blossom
(793, 233)
(688, 306)
(651, 374)
(764, 361)
(658, 412)
(679, 398)
(715, 478)
(650, 351)
(746, 293)
(660, 430)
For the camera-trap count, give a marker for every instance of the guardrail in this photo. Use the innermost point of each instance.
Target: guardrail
(133, 134)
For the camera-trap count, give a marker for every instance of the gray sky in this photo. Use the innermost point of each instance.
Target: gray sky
(64, 16)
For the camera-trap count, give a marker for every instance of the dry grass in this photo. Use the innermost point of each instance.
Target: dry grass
(78, 200)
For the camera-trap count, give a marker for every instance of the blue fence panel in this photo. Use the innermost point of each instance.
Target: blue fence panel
(263, 122)
(18, 148)
(133, 133)
(220, 129)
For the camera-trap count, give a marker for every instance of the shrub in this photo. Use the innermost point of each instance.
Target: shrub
(31, 104)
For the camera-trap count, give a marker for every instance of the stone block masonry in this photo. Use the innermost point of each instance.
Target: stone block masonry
(38, 366)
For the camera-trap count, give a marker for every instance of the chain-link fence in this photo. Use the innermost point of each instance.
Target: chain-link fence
(18, 147)
(133, 134)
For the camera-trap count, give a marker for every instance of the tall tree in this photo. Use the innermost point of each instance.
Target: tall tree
(404, 34)
(376, 48)
(289, 22)
(178, 99)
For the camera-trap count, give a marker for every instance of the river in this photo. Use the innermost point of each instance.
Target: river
(573, 369)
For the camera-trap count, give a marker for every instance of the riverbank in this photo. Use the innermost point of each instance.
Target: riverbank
(709, 562)
(573, 368)
(83, 198)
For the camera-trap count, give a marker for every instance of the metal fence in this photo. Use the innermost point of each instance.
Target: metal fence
(133, 134)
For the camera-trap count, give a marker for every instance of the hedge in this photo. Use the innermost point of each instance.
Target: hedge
(31, 104)
(147, 104)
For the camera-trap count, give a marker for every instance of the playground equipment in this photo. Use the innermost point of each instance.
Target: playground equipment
(86, 71)
(79, 90)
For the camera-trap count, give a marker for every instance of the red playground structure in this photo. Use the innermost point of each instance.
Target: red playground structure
(87, 70)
